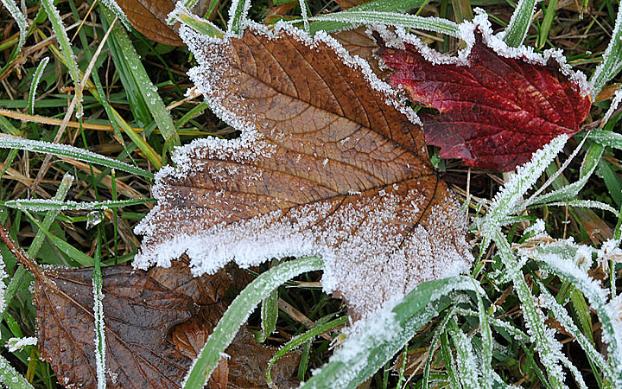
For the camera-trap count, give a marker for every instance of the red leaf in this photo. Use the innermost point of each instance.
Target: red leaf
(495, 111)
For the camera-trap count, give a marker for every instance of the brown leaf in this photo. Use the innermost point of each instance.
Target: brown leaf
(248, 360)
(146, 314)
(328, 163)
(149, 17)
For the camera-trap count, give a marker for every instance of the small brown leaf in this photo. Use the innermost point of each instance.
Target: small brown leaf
(151, 320)
(328, 163)
(245, 367)
(149, 17)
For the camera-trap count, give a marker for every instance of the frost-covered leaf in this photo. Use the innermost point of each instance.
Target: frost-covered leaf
(497, 105)
(328, 163)
(149, 317)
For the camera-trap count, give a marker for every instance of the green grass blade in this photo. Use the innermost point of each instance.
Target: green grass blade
(567, 270)
(508, 199)
(301, 340)
(10, 377)
(200, 25)
(62, 150)
(21, 275)
(533, 317)
(606, 138)
(20, 20)
(487, 343)
(239, 311)
(118, 12)
(570, 192)
(124, 51)
(44, 205)
(77, 255)
(516, 31)
(562, 316)
(465, 357)
(237, 14)
(612, 58)
(65, 49)
(36, 77)
(436, 337)
(99, 326)
(547, 22)
(399, 6)
(269, 315)
(373, 341)
(355, 18)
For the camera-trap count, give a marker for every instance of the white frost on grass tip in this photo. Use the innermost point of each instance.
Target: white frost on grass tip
(3, 276)
(16, 344)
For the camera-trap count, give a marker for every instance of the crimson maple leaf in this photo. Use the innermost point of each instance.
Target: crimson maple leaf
(494, 110)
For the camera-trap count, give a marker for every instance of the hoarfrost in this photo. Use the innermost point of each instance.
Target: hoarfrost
(509, 199)
(16, 344)
(19, 18)
(537, 229)
(617, 99)
(100, 333)
(118, 11)
(3, 276)
(609, 252)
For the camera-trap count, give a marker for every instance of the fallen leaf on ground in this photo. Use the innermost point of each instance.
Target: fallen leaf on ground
(147, 316)
(328, 163)
(495, 108)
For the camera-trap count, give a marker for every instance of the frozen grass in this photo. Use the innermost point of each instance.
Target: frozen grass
(495, 328)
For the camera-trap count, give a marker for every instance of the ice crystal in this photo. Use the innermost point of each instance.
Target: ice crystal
(16, 344)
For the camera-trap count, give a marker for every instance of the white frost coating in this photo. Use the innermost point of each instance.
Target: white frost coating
(583, 257)
(481, 24)
(118, 12)
(233, 14)
(19, 18)
(617, 98)
(386, 332)
(3, 276)
(614, 311)
(507, 200)
(537, 229)
(16, 344)
(609, 251)
(100, 334)
(352, 259)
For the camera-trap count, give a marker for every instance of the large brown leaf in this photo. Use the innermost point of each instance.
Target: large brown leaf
(149, 17)
(328, 163)
(147, 315)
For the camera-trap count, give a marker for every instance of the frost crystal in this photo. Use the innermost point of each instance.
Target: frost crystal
(609, 251)
(3, 276)
(16, 344)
